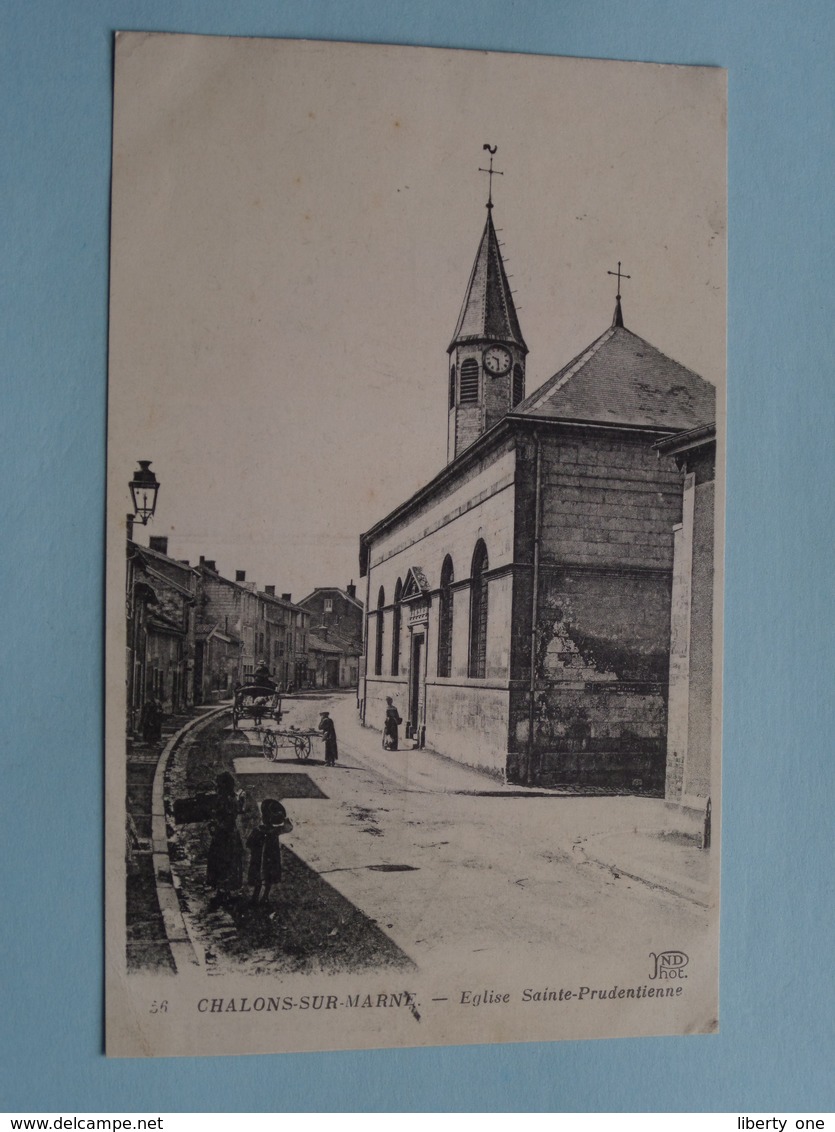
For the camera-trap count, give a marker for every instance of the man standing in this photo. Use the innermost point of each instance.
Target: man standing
(329, 732)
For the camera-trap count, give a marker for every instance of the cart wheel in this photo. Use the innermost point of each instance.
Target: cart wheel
(302, 745)
(270, 745)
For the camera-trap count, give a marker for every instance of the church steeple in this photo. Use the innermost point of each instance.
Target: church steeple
(488, 312)
(487, 351)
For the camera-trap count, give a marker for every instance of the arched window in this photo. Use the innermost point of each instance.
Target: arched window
(478, 612)
(378, 650)
(445, 620)
(518, 384)
(395, 631)
(468, 390)
(452, 387)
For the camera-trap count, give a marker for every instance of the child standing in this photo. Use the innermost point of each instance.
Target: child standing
(265, 851)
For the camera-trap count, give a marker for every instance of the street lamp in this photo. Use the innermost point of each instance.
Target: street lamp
(143, 492)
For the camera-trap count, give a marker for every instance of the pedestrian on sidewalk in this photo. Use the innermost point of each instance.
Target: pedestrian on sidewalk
(265, 850)
(329, 732)
(151, 720)
(225, 863)
(392, 722)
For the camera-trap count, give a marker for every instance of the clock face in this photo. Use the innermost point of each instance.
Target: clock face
(497, 360)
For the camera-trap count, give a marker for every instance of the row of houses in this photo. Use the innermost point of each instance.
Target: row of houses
(193, 633)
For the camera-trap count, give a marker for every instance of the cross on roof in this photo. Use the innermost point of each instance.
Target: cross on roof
(620, 275)
(491, 172)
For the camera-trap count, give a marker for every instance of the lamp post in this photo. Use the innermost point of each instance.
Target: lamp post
(144, 489)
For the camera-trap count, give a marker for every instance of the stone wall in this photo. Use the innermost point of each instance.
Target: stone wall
(608, 500)
(477, 505)
(603, 612)
(700, 716)
(469, 724)
(689, 736)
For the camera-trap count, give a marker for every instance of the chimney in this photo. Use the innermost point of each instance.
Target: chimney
(351, 589)
(269, 591)
(209, 563)
(240, 575)
(286, 597)
(159, 543)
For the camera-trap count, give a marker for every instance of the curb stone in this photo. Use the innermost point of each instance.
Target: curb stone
(183, 951)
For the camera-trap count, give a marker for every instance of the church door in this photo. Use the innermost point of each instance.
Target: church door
(416, 687)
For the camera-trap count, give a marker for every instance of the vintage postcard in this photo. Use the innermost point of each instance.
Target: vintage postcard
(415, 519)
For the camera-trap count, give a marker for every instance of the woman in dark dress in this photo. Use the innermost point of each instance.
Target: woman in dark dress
(393, 721)
(225, 864)
(329, 732)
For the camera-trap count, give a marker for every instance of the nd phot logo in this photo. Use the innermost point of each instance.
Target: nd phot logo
(668, 964)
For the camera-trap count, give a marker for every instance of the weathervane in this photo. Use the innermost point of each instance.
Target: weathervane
(491, 172)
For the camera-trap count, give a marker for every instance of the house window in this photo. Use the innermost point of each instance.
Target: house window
(478, 612)
(378, 651)
(445, 620)
(468, 390)
(395, 631)
(518, 384)
(328, 605)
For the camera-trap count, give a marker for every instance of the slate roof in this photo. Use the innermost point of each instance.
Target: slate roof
(622, 379)
(316, 644)
(488, 311)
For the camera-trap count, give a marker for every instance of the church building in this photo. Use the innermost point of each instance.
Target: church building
(519, 604)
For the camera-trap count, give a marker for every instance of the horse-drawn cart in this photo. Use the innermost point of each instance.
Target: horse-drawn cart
(256, 702)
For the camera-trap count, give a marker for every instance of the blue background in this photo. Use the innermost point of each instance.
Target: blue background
(776, 1045)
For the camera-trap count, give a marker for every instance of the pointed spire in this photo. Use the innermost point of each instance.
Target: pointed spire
(488, 312)
(618, 319)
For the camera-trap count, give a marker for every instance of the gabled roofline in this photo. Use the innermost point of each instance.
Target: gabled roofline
(278, 601)
(333, 590)
(215, 576)
(147, 550)
(565, 373)
(206, 634)
(182, 590)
